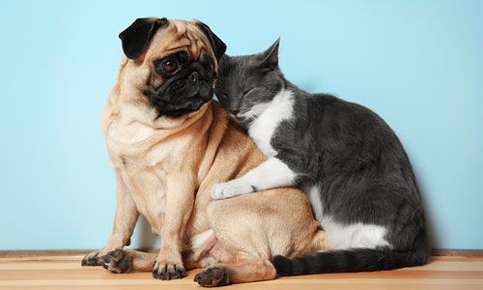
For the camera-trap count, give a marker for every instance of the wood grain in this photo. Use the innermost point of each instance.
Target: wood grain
(71, 252)
(458, 252)
(65, 272)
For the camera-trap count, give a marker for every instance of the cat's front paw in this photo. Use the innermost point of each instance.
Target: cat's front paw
(231, 189)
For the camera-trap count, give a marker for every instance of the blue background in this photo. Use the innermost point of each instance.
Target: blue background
(419, 64)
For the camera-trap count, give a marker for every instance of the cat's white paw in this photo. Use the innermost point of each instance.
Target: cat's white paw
(230, 189)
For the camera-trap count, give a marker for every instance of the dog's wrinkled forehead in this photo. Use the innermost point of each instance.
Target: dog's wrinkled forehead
(149, 38)
(179, 35)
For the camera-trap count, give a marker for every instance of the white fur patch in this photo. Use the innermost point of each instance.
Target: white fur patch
(273, 172)
(316, 201)
(230, 189)
(358, 235)
(270, 174)
(255, 111)
(271, 115)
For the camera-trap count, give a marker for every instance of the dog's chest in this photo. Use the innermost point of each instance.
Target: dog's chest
(131, 145)
(132, 139)
(139, 160)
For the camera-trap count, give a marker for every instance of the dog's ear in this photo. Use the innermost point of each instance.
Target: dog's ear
(136, 38)
(219, 47)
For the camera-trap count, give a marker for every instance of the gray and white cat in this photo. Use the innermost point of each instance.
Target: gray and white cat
(347, 159)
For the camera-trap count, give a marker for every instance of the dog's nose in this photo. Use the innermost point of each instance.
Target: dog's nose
(194, 77)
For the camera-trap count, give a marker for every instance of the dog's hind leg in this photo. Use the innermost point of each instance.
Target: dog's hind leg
(244, 269)
(254, 228)
(127, 260)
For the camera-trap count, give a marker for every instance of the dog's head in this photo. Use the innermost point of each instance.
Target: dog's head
(177, 61)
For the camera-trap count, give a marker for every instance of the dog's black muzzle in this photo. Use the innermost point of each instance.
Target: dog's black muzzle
(184, 92)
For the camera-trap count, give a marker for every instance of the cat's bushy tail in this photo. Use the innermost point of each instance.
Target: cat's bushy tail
(355, 260)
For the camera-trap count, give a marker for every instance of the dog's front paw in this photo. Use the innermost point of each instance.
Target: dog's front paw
(231, 189)
(168, 271)
(213, 277)
(91, 259)
(117, 261)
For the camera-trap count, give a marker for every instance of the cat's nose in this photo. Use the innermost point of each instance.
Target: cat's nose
(221, 96)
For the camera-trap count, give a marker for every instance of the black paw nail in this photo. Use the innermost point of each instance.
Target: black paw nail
(168, 271)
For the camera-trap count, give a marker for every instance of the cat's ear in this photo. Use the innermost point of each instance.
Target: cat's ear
(269, 58)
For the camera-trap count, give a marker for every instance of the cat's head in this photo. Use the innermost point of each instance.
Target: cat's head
(246, 83)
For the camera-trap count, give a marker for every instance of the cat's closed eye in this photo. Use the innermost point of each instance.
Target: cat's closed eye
(246, 92)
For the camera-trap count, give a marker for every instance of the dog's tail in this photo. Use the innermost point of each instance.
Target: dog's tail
(355, 260)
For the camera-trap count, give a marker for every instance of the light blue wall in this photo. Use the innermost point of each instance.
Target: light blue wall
(419, 64)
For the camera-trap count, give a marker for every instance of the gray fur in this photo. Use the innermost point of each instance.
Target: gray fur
(345, 150)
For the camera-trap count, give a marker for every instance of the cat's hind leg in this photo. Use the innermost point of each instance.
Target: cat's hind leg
(270, 174)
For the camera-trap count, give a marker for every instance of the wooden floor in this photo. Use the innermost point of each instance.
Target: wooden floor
(65, 272)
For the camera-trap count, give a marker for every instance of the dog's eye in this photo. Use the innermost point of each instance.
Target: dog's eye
(169, 66)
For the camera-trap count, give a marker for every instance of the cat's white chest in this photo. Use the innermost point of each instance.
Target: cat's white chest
(263, 128)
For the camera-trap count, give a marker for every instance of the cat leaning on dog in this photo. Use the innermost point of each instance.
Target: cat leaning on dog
(347, 159)
(169, 144)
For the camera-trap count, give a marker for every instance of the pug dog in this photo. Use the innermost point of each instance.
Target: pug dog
(169, 143)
